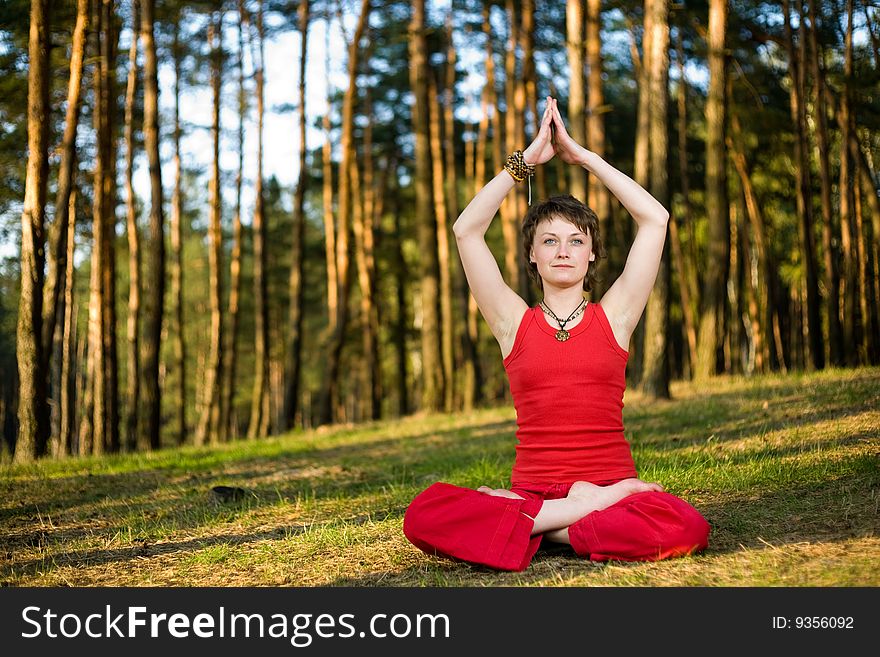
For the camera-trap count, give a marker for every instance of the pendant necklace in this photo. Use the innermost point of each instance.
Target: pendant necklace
(562, 335)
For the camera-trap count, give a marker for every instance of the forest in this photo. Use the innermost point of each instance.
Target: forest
(161, 283)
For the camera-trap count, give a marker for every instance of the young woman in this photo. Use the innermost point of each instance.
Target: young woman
(574, 480)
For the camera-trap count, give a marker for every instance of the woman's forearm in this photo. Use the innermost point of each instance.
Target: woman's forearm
(638, 202)
(478, 214)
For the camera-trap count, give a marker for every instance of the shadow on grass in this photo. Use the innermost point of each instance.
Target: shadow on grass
(148, 549)
(86, 506)
(830, 511)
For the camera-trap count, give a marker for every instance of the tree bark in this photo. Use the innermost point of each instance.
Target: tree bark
(149, 436)
(687, 284)
(527, 40)
(814, 347)
(67, 415)
(715, 282)
(443, 251)
(329, 393)
(823, 148)
(98, 320)
(598, 198)
(210, 422)
(373, 208)
(655, 373)
(297, 266)
(33, 430)
(259, 422)
(574, 45)
(642, 164)
(134, 254)
(228, 417)
(179, 346)
(54, 283)
(510, 207)
(401, 279)
(849, 293)
(432, 374)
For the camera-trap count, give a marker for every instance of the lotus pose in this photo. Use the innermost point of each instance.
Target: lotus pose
(574, 480)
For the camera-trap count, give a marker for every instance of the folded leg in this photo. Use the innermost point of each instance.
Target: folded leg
(461, 523)
(646, 526)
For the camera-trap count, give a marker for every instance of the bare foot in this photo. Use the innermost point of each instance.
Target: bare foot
(499, 492)
(583, 498)
(596, 498)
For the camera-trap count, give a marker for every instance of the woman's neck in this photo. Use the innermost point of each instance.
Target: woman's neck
(563, 302)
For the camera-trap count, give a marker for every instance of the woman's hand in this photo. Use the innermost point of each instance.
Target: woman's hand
(541, 149)
(567, 148)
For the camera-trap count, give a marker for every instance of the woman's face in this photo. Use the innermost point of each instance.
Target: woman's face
(562, 252)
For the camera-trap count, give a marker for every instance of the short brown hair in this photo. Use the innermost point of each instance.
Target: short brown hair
(565, 207)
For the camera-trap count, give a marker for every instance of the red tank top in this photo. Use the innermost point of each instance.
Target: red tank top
(569, 401)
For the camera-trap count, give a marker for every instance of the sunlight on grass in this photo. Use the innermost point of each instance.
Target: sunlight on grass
(785, 468)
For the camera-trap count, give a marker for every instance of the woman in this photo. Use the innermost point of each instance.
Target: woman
(574, 480)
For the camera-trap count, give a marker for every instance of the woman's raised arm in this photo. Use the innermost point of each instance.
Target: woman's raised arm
(625, 300)
(500, 306)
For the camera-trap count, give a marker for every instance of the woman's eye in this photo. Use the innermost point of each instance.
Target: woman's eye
(548, 240)
(579, 241)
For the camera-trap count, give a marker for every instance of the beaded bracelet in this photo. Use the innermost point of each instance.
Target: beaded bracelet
(518, 169)
(516, 166)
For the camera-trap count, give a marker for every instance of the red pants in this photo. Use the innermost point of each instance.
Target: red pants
(463, 524)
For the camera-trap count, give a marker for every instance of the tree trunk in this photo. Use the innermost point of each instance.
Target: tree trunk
(209, 425)
(67, 378)
(754, 287)
(329, 393)
(814, 347)
(872, 232)
(259, 422)
(67, 394)
(687, 283)
(370, 401)
(134, 256)
(432, 393)
(849, 293)
(510, 207)
(752, 316)
(111, 44)
(179, 349)
(401, 279)
(33, 430)
(875, 42)
(655, 373)
(527, 40)
(823, 148)
(297, 265)
(574, 30)
(443, 252)
(598, 197)
(228, 417)
(866, 344)
(715, 282)
(329, 223)
(492, 94)
(54, 283)
(154, 288)
(98, 320)
(464, 362)
(373, 209)
(642, 166)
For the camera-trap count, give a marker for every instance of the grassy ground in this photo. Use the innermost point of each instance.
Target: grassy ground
(785, 468)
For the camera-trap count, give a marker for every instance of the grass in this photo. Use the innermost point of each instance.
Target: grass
(786, 468)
